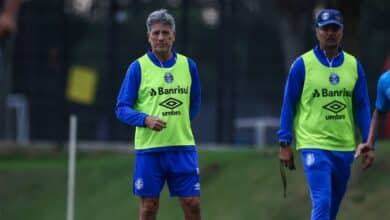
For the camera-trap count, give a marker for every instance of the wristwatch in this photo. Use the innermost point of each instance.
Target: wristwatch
(284, 143)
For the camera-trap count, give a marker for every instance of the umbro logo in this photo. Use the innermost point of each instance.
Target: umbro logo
(335, 106)
(171, 103)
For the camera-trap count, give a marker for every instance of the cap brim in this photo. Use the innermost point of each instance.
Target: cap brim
(321, 24)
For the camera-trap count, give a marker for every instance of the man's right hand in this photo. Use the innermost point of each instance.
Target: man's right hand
(287, 157)
(155, 123)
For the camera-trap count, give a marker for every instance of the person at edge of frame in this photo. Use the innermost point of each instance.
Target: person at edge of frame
(9, 10)
(160, 95)
(325, 95)
(382, 106)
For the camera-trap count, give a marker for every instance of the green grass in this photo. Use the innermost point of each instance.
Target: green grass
(236, 185)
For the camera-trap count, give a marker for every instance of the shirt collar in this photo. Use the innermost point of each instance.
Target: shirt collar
(334, 62)
(165, 64)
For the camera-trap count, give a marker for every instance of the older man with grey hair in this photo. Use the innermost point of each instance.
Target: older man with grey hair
(160, 95)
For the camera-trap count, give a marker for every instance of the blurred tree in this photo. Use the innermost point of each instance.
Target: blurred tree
(297, 21)
(226, 89)
(294, 21)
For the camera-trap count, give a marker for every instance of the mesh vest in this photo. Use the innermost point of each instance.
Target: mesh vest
(165, 93)
(324, 118)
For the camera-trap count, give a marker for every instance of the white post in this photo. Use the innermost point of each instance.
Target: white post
(71, 166)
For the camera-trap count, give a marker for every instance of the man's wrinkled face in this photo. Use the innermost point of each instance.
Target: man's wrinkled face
(161, 38)
(329, 36)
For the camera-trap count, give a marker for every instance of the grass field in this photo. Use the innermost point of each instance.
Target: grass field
(236, 185)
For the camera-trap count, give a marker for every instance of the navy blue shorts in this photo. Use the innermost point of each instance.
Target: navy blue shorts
(178, 168)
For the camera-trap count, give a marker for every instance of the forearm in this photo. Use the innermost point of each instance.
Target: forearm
(361, 105)
(286, 122)
(195, 102)
(194, 109)
(129, 116)
(377, 119)
(292, 93)
(195, 96)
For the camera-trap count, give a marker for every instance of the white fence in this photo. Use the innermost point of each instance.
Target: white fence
(260, 125)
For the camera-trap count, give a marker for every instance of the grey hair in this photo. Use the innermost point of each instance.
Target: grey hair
(160, 16)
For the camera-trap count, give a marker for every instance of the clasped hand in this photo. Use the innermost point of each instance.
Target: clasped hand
(155, 123)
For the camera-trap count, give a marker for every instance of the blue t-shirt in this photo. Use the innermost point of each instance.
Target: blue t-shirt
(382, 103)
(293, 90)
(128, 95)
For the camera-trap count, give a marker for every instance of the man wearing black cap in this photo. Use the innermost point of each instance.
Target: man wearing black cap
(325, 98)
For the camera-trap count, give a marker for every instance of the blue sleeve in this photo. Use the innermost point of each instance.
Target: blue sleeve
(361, 104)
(292, 93)
(195, 96)
(127, 97)
(382, 104)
